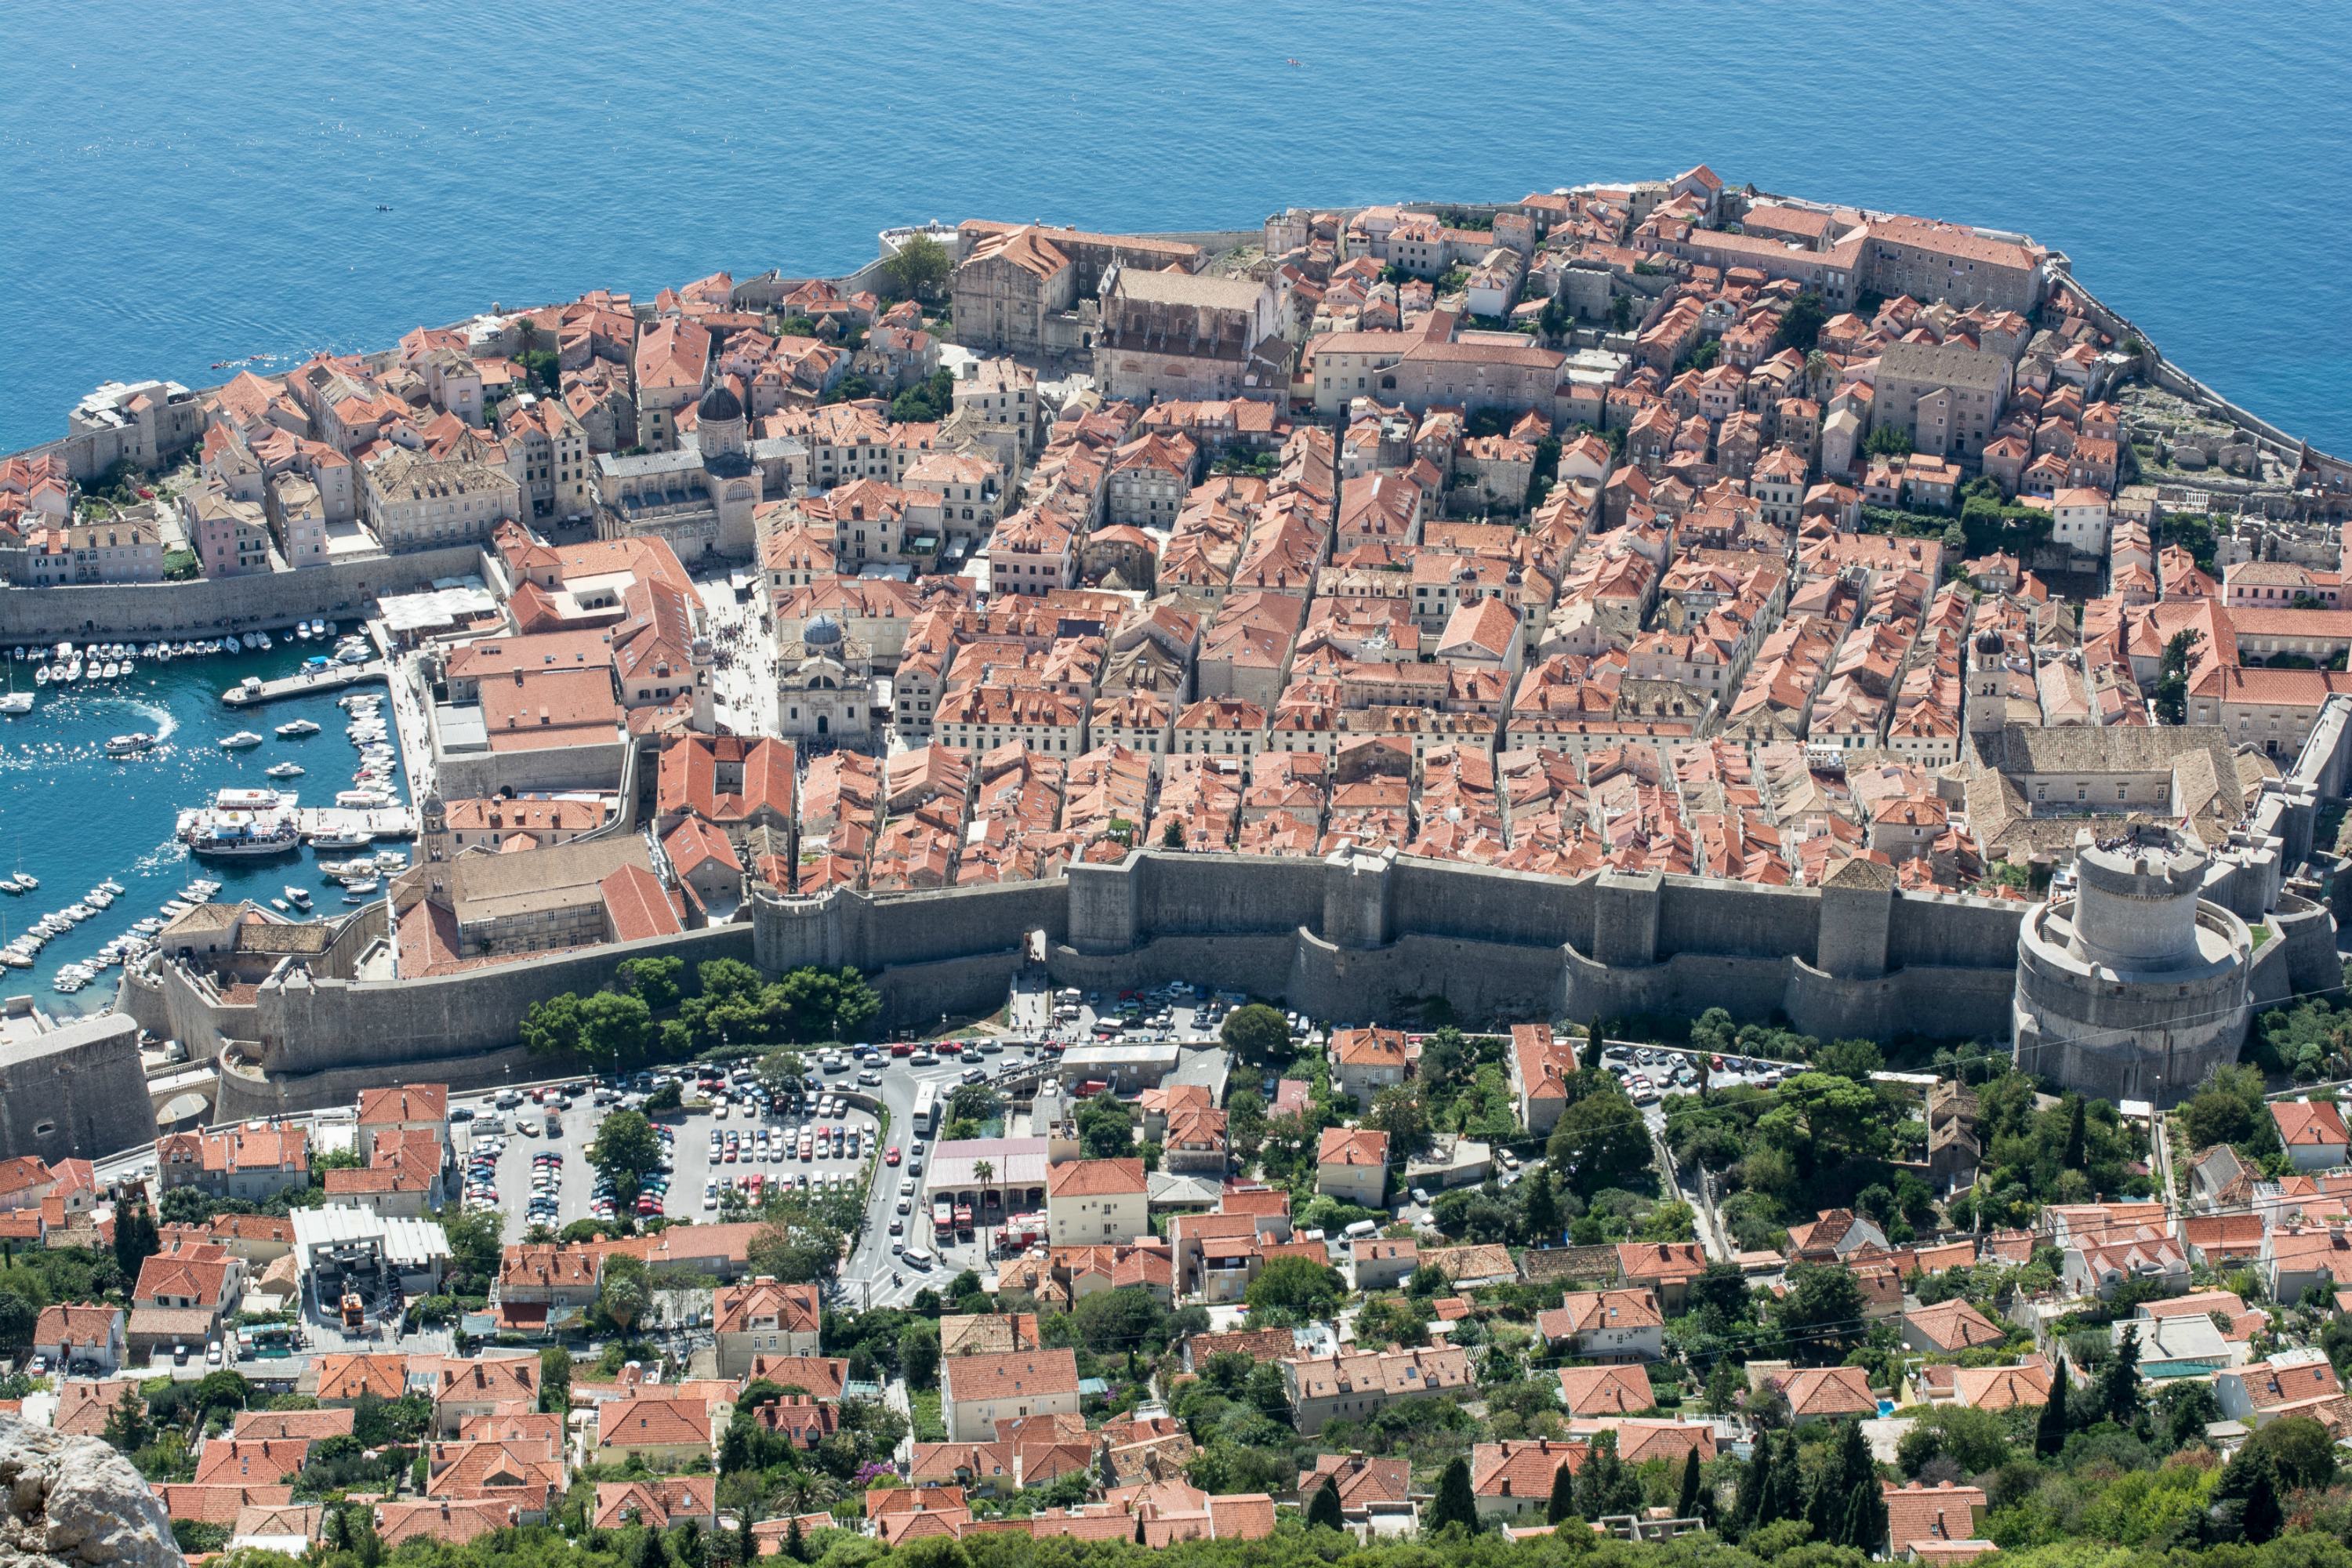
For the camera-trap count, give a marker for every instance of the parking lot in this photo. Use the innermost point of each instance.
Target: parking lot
(538, 1176)
(1187, 1013)
(1650, 1073)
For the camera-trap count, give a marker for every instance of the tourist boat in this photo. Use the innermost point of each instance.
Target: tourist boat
(288, 732)
(130, 745)
(251, 800)
(284, 770)
(362, 799)
(239, 740)
(237, 833)
(343, 838)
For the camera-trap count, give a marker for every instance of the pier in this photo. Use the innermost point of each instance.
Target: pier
(307, 683)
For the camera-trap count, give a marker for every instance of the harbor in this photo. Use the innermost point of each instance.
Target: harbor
(111, 787)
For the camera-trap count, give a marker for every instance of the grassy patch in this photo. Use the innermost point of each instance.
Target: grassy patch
(928, 1425)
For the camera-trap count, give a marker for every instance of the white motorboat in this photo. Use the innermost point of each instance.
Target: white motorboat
(298, 896)
(251, 641)
(293, 728)
(15, 704)
(130, 745)
(284, 770)
(240, 741)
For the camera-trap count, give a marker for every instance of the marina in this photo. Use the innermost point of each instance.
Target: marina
(100, 777)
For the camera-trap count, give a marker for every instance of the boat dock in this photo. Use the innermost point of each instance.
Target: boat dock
(334, 821)
(305, 684)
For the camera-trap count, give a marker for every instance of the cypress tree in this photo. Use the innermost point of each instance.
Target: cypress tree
(1787, 1486)
(1455, 1502)
(1563, 1496)
(2261, 1518)
(1865, 1517)
(795, 1543)
(2119, 1387)
(1324, 1511)
(2074, 1157)
(2050, 1434)
(1688, 1505)
(1747, 1496)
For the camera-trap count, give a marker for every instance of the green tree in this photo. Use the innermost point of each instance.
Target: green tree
(555, 1381)
(1749, 1497)
(918, 1355)
(1562, 1504)
(917, 268)
(625, 1292)
(552, 1027)
(1887, 441)
(1600, 1143)
(135, 1240)
(1801, 323)
(1821, 1316)
(2300, 1452)
(1257, 1035)
(2049, 1431)
(2172, 679)
(1398, 1111)
(1455, 1503)
(653, 980)
(616, 1032)
(1691, 1503)
(2119, 1395)
(626, 1151)
(1323, 1510)
(126, 1427)
(1297, 1285)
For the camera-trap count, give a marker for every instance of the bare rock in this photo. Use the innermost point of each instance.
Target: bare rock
(76, 1503)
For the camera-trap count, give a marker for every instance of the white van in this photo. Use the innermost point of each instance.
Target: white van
(919, 1257)
(1362, 1229)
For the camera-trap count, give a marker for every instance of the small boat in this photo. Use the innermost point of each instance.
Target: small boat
(361, 891)
(27, 880)
(343, 838)
(10, 885)
(288, 731)
(302, 630)
(261, 640)
(131, 745)
(281, 906)
(284, 770)
(41, 676)
(252, 641)
(298, 896)
(239, 740)
(16, 703)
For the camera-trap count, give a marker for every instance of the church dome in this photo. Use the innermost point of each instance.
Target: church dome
(719, 404)
(823, 632)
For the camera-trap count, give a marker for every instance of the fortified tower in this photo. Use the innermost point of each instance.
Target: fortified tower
(2134, 987)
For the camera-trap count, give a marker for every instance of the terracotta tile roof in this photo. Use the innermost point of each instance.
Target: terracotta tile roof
(1605, 1390)
(653, 1423)
(440, 1519)
(1524, 1467)
(1827, 1390)
(218, 1504)
(248, 1462)
(349, 1376)
(1939, 1514)
(1954, 1325)
(1362, 1146)
(1002, 1376)
(1095, 1178)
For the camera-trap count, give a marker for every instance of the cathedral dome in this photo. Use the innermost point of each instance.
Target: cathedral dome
(719, 404)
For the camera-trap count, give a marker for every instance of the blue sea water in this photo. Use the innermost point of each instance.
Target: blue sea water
(73, 816)
(188, 183)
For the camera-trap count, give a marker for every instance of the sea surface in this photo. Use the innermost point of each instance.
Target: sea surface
(189, 183)
(74, 817)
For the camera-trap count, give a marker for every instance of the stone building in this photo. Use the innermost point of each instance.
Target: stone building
(698, 498)
(415, 503)
(1027, 288)
(1175, 334)
(2136, 987)
(1947, 397)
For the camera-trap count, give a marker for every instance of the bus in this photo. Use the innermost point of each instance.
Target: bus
(927, 1110)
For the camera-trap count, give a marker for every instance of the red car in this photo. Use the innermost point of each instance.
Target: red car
(890, 1156)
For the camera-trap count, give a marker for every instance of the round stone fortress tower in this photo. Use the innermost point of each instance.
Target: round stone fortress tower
(2135, 987)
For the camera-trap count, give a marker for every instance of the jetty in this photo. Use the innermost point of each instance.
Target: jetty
(306, 683)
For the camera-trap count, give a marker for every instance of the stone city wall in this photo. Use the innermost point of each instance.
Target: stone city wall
(75, 1091)
(344, 590)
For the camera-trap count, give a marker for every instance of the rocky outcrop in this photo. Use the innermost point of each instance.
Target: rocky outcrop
(76, 1503)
